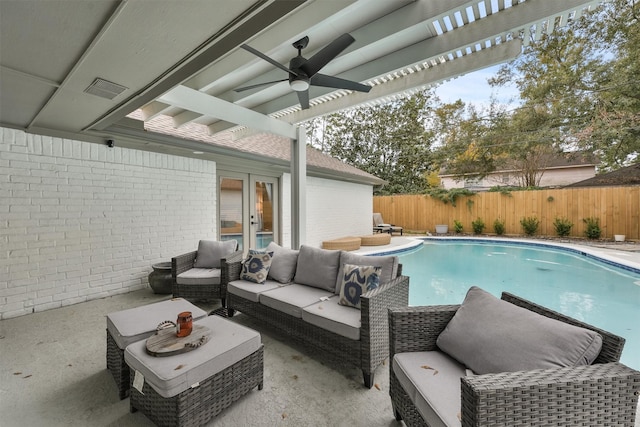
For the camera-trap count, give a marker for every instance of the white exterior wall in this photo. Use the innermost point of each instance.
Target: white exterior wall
(559, 177)
(80, 221)
(337, 209)
(285, 205)
(550, 178)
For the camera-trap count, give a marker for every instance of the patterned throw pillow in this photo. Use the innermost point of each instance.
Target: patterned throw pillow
(356, 281)
(256, 266)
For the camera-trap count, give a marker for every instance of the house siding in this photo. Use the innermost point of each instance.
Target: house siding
(553, 177)
(82, 221)
(337, 209)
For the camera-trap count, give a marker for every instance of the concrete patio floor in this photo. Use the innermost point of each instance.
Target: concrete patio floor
(53, 373)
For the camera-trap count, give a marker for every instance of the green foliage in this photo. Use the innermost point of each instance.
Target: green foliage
(562, 226)
(499, 227)
(530, 225)
(504, 190)
(390, 141)
(457, 226)
(478, 226)
(550, 199)
(593, 230)
(469, 205)
(449, 196)
(579, 86)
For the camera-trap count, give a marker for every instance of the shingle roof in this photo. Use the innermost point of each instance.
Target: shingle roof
(629, 175)
(263, 144)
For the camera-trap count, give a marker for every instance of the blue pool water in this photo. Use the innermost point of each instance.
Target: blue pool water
(570, 283)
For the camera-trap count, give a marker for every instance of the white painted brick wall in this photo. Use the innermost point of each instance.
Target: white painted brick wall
(80, 221)
(337, 209)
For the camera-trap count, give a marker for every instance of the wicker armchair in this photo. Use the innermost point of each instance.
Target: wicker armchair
(604, 393)
(212, 289)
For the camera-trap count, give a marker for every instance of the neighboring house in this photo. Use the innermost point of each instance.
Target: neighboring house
(558, 171)
(629, 175)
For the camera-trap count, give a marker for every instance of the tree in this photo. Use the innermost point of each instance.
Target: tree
(580, 85)
(389, 141)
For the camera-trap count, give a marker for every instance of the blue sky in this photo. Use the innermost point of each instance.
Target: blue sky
(473, 88)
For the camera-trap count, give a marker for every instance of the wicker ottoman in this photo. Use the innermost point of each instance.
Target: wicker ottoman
(344, 244)
(128, 326)
(375, 239)
(189, 389)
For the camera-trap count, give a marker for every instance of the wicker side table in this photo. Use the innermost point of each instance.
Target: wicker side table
(375, 239)
(344, 244)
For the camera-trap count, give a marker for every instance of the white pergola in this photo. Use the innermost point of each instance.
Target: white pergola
(80, 69)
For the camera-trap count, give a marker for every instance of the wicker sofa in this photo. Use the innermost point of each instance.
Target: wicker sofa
(302, 301)
(604, 392)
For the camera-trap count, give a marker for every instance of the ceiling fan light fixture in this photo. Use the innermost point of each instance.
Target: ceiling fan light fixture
(299, 85)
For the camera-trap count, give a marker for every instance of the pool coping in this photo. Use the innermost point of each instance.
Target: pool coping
(609, 256)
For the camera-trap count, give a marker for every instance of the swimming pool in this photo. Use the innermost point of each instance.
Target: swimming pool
(582, 287)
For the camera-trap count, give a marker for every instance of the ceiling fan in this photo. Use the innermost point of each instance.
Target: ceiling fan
(303, 72)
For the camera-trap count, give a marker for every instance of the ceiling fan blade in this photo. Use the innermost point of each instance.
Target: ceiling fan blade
(326, 54)
(241, 89)
(266, 58)
(338, 83)
(303, 97)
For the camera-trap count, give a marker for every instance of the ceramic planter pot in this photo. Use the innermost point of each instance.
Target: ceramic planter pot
(442, 229)
(160, 278)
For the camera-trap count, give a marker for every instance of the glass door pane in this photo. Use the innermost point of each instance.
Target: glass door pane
(263, 215)
(231, 210)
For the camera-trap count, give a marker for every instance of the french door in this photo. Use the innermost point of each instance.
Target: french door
(248, 209)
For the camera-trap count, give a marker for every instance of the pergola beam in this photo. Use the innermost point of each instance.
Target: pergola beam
(199, 102)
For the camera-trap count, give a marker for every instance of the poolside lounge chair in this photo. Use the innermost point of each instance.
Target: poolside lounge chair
(379, 226)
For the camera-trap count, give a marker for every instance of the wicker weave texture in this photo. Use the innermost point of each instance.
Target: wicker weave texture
(184, 262)
(367, 353)
(343, 244)
(375, 239)
(197, 406)
(599, 394)
(602, 394)
(118, 368)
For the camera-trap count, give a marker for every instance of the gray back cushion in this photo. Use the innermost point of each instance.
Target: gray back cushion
(388, 264)
(489, 335)
(211, 251)
(283, 263)
(317, 267)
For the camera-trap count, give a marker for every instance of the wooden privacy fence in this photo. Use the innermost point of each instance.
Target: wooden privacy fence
(617, 208)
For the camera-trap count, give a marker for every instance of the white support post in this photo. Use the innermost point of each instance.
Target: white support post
(299, 188)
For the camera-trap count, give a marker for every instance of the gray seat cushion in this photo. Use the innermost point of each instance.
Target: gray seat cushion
(199, 276)
(317, 267)
(490, 335)
(228, 344)
(388, 264)
(432, 382)
(333, 317)
(135, 324)
(283, 263)
(250, 290)
(210, 252)
(293, 298)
